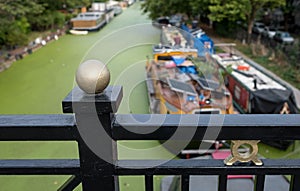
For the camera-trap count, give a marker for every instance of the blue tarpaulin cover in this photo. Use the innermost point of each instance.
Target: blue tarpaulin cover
(178, 60)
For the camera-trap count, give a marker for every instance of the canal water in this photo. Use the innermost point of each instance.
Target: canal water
(38, 83)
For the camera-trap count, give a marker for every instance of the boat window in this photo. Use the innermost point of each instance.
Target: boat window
(207, 111)
(164, 58)
(237, 92)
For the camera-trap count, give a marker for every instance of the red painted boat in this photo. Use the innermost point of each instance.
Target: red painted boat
(253, 90)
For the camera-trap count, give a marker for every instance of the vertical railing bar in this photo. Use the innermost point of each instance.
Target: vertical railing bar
(260, 182)
(222, 183)
(295, 183)
(185, 182)
(149, 182)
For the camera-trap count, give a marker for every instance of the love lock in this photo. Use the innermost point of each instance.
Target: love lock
(244, 157)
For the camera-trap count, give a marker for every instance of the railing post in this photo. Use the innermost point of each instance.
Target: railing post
(97, 150)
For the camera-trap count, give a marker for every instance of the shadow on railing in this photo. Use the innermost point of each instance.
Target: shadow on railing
(96, 127)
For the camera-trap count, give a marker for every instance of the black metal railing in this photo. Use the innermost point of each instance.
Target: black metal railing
(96, 127)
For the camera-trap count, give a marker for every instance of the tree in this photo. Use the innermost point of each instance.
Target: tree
(13, 18)
(14, 9)
(158, 8)
(217, 10)
(63, 4)
(200, 8)
(235, 10)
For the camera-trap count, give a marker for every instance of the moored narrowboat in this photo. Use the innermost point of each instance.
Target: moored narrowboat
(253, 90)
(180, 82)
(89, 21)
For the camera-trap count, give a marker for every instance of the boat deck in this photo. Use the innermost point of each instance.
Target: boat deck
(246, 73)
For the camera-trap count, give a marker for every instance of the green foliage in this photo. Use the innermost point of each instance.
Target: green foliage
(17, 33)
(158, 8)
(59, 19)
(232, 10)
(65, 4)
(14, 25)
(23, 25)
(200, 7)
(219, 11)
(225, 28)
(240, 10)
(49, 19)
(12, 9)
(78, 3)
(19, 17)
(155, 8)
(14, 32)
(100, 1)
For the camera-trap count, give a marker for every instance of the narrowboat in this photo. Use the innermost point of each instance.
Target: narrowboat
(89, 21)
(253, 90)
(180, 82)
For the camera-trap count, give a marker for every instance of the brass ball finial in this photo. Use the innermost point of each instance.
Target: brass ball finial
(92, 76)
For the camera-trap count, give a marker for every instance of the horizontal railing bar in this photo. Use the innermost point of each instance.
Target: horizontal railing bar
(204, 167)
(40, 167)
(37, 127)
(194, 127)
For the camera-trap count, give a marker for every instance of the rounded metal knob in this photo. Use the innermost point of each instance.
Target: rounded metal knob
(92, 76)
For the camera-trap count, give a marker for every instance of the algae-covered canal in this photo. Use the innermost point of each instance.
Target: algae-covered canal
(38, 83)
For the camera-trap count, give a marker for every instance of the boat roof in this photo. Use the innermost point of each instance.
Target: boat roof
(160, 52)
(88, 16)
(246, 73)
(169, 49)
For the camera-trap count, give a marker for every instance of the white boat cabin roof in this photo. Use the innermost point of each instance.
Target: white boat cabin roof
(246, 73)
(88, 16)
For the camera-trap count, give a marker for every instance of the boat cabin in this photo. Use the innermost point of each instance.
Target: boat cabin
(88, 21)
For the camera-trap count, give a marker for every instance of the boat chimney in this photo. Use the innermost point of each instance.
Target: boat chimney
(255, 83)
